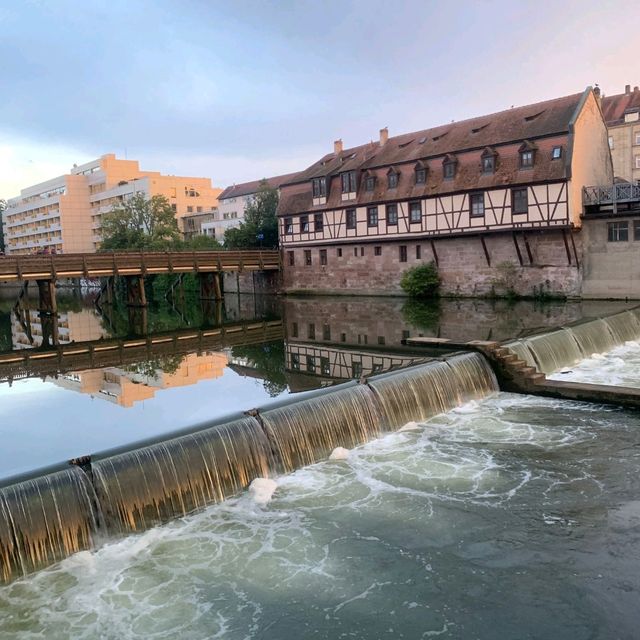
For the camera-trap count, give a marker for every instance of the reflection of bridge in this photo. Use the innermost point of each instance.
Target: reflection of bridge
(117, 352)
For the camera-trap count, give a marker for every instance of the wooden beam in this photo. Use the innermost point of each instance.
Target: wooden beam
(515, 243)
(486, 251)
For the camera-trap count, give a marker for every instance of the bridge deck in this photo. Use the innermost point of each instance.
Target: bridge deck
(97, 265)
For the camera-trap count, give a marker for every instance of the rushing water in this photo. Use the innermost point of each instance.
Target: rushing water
(511, 518)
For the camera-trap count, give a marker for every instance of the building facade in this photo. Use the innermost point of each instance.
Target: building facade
(198, 224)
(622, 115)
(233, 201)
(470, 196)
(64, 214)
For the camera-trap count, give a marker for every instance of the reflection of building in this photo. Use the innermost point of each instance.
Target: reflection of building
(467, 195)
(126, 387)
(71, 326)
(622, 115)
(65, 213)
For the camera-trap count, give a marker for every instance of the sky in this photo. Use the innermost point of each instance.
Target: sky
(242, 90)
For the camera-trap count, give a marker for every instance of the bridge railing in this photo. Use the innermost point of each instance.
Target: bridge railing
(622, 192)
(94, 265)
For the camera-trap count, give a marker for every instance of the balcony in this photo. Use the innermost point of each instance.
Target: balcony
(616, 199)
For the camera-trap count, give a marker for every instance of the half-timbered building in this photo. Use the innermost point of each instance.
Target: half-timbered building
(472, 196)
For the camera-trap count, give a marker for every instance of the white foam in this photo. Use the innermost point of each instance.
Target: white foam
(339, 453)
(262, 490)
(410, 426)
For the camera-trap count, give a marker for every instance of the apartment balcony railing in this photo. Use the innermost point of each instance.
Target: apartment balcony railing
(623, 196)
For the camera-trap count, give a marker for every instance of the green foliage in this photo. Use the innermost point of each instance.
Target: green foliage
(269, 361)
(140, 224)
(151, 368)
(422, 281)
(6, 340)
(199, 243)
(259, 218)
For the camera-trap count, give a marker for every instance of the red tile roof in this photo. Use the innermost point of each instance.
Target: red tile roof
(247, 188)
(614, 107)
(545, 122)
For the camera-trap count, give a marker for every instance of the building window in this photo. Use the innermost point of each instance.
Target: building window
(637, 162)
(392, 180)
(323, 257)
(370, 183)
(476, 202)
(392, 215)
(174, 207)
(292, 258)
(421, 175)
(355, 251)
(319, 187)
(637, 138)
(610, 142)
(488, 164)
(189, 209)
(361, 252)
(307, 257)
(449, 170)
(415, 212)
(377, 251)
(294, 330)
(403, 253)
(351, 218)
(636, 230)
(304, 224)
(418, 252)
(381, 340)
(372, 216)
(325, 366)
(317, 222)
(295, 361)
(288, 226)
(311, 331)
(339, 252)
(348, 182)
(199, 209)
(618, 231)
(526, 159)
(556, 153)
(326, 332)
(311, 364)
(356, 369)
(519, 201)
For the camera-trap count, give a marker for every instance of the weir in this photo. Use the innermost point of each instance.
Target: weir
(69, 508)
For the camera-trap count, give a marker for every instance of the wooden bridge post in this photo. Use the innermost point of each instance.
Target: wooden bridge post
(136, 295)
(47, 303)
(210, 286)
(138, 320)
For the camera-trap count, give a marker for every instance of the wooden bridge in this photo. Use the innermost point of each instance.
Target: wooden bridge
(41, 362)
(134, 267)
(15, 268)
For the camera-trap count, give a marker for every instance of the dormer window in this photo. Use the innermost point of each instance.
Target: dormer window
(527, 155)
(319, 187)
(449, 167)
(488, 160)
(370, 183)
(392, 179)
(348, 182)
(556, 153)
(421, 173)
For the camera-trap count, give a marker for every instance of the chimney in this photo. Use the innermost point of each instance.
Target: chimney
(337, 147)
(384, 136)
(596, 93)
(635, 89)
(627, 89)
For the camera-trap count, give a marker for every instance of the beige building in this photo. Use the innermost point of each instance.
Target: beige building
(622, 115)
(64, 214)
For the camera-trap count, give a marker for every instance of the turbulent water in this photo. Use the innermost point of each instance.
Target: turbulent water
(511, 518)
(619, 367)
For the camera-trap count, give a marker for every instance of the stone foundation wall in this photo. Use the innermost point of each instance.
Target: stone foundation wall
(251, 282)
(462, 265)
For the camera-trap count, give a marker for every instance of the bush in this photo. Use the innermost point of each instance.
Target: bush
(422, 281)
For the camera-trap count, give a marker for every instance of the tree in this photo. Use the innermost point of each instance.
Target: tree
(260, 226)
(3, 207)
(422, 281)
(140, 223)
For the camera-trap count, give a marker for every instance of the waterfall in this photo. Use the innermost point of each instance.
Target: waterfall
(44, 520)
(148, 486)
(549, 352)
(422, 392)
(307, 431)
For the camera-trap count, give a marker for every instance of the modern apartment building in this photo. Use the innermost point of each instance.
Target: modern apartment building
(622, 115)
(500, 189)
(64, 214)
(233, 201)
